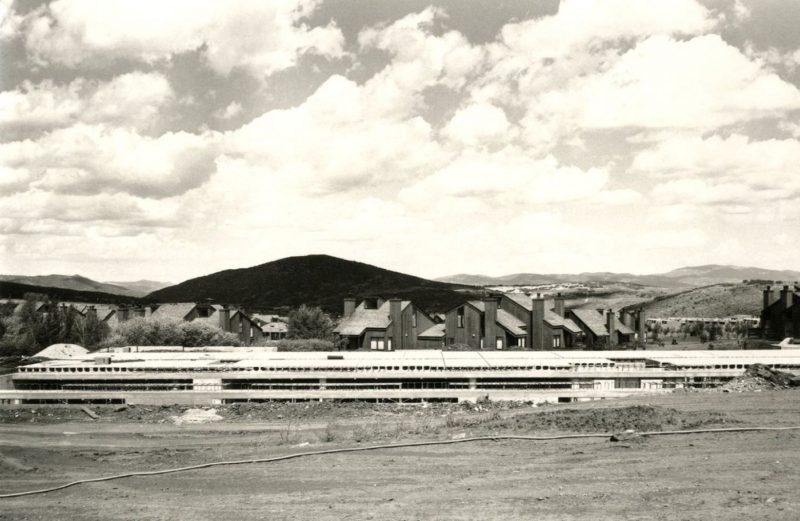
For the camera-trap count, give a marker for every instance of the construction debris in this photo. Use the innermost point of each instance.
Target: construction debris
(197, 416)
(628, 435)
(759, 377)
(90, 413)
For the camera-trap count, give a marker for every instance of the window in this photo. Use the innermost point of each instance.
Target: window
(413, 320)
(203, 312)
(556, 341)
(389, 345)
(460, 317)
(522, 342)
(499, 343)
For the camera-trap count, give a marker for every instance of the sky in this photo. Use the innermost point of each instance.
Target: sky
(144, 139)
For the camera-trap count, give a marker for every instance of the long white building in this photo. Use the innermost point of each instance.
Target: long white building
(169, 375)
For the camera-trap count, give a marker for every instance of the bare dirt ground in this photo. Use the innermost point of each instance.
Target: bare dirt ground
(709, 476)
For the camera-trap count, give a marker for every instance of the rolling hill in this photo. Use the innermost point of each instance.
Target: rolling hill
(319, 280)
(16, 290)
(687, 277)
(80, 283)
(713, 301)
(140, 288)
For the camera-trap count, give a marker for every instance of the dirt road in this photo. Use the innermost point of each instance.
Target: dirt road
(725, 476)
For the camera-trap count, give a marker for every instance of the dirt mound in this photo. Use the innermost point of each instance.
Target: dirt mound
(614, 419)
(197, 416)
(62, 351)
(759, 377)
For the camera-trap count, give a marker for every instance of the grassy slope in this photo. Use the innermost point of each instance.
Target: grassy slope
(718, 300)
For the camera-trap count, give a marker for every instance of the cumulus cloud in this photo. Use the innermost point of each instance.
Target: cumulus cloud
(735, 172)
(92, 159)
(131, 99)
(479, 124)
(260, 37)
(508, 176)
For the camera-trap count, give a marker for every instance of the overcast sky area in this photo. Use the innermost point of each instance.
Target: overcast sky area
(171, 139)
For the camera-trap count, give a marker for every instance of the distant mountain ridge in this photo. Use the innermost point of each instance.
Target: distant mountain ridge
(81, 283)
(16, 290)
(686, 277)
(319, 280)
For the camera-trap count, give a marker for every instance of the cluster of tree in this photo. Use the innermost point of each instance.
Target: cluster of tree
(42, 322)
(169, 332)
(704, 332)
(307, 322)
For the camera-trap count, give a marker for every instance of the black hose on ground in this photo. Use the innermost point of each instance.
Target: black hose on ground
(379, 447)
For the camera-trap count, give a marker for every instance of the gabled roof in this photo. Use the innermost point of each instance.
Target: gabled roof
(593, 320)
(363, 319)
(435, 331)
(104, 312)
(510, 323)
(521, 299)
(623, 329)
(275, 327)
(553, 319)
(176, 310)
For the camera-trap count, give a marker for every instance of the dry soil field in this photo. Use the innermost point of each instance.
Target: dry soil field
(711, 476)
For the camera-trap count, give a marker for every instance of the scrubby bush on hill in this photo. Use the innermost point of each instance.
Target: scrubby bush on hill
(169, 332)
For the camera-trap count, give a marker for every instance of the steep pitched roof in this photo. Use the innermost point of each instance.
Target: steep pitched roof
(623, 329)
(363, 319)
(435, 331)
(555, 320)
(176, 310)
(275, 327)
(510, 323)
(505, 319)
(593, 320)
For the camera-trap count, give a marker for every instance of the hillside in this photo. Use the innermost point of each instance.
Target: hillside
(17, 290)
(319, 280)
(80, 283)
(687, 277)
(140, 288)
(718, 300)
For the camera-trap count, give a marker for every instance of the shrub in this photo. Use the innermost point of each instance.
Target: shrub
(308, 322)
(308, 344)
(169, 332)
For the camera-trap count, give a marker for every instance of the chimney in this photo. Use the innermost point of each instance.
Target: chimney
(768, 297)
(611, 325)
(349, 307)
(225, 318)
(490, 322)
(537, 323)
(559, 305)
(641, 325)
(396, 327)
(124, 313)
(786, 297)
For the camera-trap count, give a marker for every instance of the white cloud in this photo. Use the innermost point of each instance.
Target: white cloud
(260, 37)
(91, 159)
(479, 124)
(699, 83)
(338, 140)
(587, 23)
(734, 172)
(232, 110)
(506, 177)
(132, 99)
